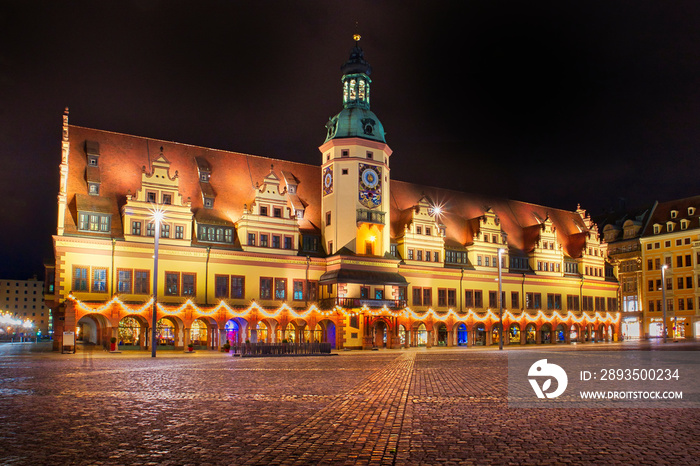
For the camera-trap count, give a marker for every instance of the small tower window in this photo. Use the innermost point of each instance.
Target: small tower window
(353, 89)
(94, 189)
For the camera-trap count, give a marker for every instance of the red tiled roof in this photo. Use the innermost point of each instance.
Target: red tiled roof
(234, 176)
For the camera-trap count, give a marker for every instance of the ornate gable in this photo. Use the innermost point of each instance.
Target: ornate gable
(487, 238)
(423, 236)
(269, 225)
(159, 192)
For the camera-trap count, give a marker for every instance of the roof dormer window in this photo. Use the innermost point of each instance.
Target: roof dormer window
(94, 189)
(691, 210)
(657, 229)
(208, 203)
(674, 213)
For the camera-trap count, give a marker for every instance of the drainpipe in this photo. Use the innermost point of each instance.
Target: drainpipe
(114, 241)
(206, 278)
(461, 292)
(306, 285)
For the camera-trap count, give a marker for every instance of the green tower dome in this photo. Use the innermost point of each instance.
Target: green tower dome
(356, 119)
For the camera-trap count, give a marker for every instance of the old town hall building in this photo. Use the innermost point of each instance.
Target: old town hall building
(260, 249)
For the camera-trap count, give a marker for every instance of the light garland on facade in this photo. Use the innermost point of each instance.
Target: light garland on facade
(383, 311)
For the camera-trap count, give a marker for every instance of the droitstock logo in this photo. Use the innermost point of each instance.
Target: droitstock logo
(546, 371)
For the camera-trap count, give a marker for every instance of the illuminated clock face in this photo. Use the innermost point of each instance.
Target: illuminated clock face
(327, 181)
(370, 189)
(370, 178)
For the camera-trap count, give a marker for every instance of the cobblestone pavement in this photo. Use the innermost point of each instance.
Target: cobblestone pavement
(387, 407)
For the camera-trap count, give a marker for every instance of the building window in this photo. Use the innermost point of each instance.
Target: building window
(141, 281)
(478, 299)
(237, 287)
(94, 222)
(417, 296)
(263, 241)
(136, 228)
(287, 242)
(172, 284)
(281, 288)
(165, 231)
(276, 241)
(151, 229)
(124, 281)
(277, 212)
(251, 239)
(179, 232)
(469, 298)
(265, 288)
(99, 280)
(93, 189)
(167, 199)
(189, 284)
(298, 290)
(328, 218)
(80, 279)
(442, 297)
(451, 297)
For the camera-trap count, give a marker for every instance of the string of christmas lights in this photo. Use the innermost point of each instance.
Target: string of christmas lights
(611, 318)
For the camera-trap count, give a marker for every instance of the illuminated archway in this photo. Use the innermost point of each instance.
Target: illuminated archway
(531, 334)
(233, 332)
(327, 332)
(514, 334)
(480, 334)
(546, 333)
(462, 335)
(132, 333)
(560, 334)
(166, 333)
(199, 334)
(290, 333)
(93, 329)
(421, 335)
(495, 333)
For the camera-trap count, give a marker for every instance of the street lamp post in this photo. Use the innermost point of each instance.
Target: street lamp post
(157, 217)
(663, 297)
(500, 299)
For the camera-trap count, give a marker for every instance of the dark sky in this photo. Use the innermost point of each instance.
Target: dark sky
(554, 103)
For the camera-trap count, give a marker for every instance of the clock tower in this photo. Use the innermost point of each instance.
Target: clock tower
(355, 172)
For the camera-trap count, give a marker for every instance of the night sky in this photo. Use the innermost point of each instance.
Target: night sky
(555, 103)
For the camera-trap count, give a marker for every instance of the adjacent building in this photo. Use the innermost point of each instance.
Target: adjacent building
(622, 233)
(670, 250)
(260, 249)
(24, 300)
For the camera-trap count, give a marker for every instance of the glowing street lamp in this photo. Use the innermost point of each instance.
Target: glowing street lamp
(663, 297)
(157, 214)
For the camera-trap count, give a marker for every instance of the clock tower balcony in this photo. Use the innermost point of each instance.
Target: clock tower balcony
(370, 216)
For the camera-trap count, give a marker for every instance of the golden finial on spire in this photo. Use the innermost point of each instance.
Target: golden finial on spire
(356, 37)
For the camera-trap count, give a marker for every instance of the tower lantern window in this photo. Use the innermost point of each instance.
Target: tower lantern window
(353, 89)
